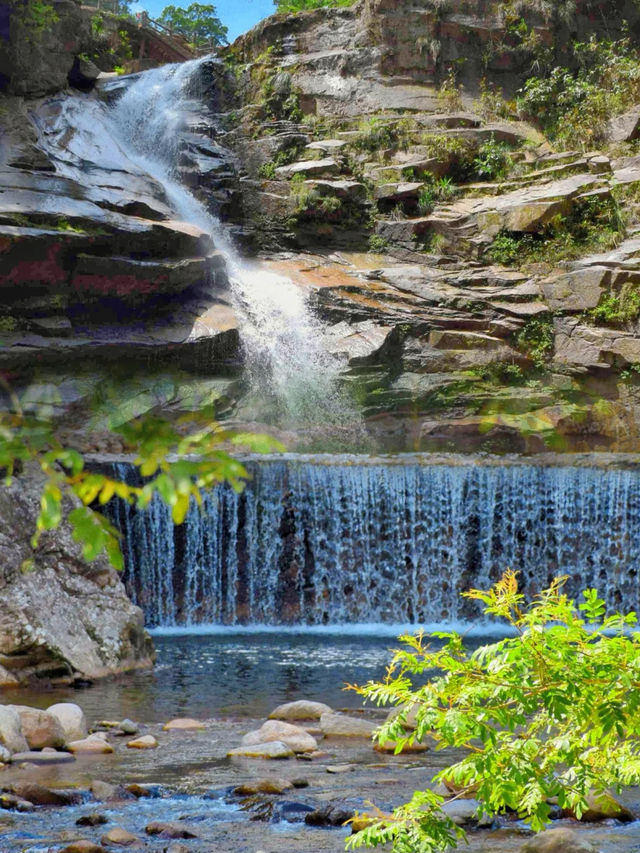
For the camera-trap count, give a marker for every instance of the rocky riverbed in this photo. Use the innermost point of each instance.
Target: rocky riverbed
(185, 787)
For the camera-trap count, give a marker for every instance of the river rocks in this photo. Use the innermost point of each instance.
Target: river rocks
(104, 791)
(466, 812)
(560, 840)
(64, 619)
(11, 735)
(171, 829)
(83, 846)
(71, 719)
(5, 755)
(39, 728)
(270, 749)
(120, 837)
(183, 724)
(128, 727)
(93, 819)
(40, 795)
(294, 737)
(341, 725)
(13, 802)
(302, 709)
(90, 745)
(334, 813)
(144, 742)
(393, 746)
(604, 806)
(272, 785)
(42, 758)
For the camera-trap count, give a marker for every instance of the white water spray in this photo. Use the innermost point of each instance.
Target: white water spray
(282, 341)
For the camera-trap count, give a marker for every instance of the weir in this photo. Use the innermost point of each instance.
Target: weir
(367, 541)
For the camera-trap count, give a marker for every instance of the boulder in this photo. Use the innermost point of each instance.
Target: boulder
(90, 745)
(271, 749)
(5, 755)
(71, 719)
(625, 127)
(12, 802)
(144, 742)
(11, 735)
(105, 792)
(578, 290)
(40, 728)
(334, 813)
(128, 727)
(302, 709)
(67, 618)
(294, 737)
(341, 725)
(560, 840)
(183, 724)
(391, 746)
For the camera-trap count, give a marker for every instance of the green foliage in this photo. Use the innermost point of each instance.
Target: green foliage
(178, 460)
(450, 94)
(551, 714)
(536, 339)
(618, 309)
(441, 189)
(305, 5)
(573, 107)
(492, 161)
(36, 17)
(198, 23)
(491, 103)
(378, 244)
(594, 224)
(377, 133)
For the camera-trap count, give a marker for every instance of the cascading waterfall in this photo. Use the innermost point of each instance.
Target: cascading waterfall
(373, 542)
(281, 339)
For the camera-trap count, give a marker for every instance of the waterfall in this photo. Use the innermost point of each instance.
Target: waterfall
(365, 541)
(281, 338)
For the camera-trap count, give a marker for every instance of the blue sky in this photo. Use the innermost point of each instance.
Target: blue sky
(238, 15)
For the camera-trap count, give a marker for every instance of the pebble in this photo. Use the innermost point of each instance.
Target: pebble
(341, 768)
(128, 727)
(144, 742)
(92, 744)
(83, 846)
(171, 829)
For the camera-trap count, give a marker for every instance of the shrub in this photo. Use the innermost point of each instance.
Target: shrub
(549, 714)
(377, 132)
(536, 339)
(492, 161)
(618, 309)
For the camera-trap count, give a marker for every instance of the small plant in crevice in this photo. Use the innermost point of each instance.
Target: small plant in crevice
(618, 309)
(378, 244)
(450, 93)
(537, 338)
(594, 224)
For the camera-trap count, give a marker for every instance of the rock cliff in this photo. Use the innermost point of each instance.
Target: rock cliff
(61, 619)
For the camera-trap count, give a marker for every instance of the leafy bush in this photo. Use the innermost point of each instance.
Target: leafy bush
(377, 243)
(618, 309)
(573, 107)
(550, 714)
(594, 224)
(450, 94)
(441, 189)
(493, 161)
(377, 133)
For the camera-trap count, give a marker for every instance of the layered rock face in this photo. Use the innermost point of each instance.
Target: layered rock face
(369, 129)
(61, 619)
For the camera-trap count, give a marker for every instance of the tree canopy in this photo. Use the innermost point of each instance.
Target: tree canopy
(304, 5)
(198, 23)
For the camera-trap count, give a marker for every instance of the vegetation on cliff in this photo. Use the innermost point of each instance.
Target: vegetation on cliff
(548, 716)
